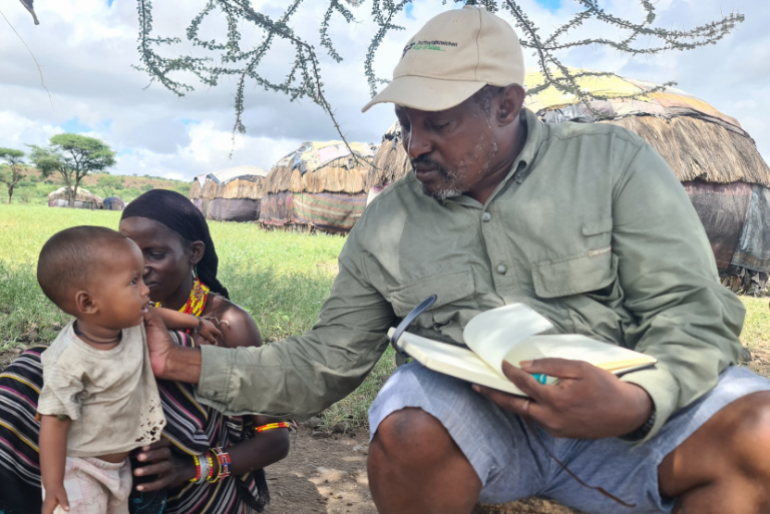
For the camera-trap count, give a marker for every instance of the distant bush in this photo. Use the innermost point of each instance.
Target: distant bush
(147, 187)
(110, 182)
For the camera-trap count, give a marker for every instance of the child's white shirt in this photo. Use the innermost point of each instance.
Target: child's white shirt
(110, 395)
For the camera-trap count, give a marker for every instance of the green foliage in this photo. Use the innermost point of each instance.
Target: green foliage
(73, 157)
(11, 173)
(281, 278)
(304, 78)
(110, 182)
(147, 187)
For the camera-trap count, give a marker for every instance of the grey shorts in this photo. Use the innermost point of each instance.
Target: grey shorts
(512, 464)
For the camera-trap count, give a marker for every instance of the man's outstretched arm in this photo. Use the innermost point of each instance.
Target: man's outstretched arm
(296, 377)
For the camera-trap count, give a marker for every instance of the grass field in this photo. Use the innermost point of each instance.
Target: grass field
(281, 278)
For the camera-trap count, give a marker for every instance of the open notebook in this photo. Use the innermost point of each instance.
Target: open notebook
(510, 333)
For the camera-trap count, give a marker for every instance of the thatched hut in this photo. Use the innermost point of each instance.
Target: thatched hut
(320, 185)
(714, 158)
(83, 200)
(196, 189)
(113, 203)
(238, 193)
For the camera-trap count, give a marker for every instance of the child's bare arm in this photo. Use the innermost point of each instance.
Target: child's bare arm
(53, 454)
(176, 320)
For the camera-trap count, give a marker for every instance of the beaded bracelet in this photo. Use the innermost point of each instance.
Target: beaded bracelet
(197, 469)
(224, 463)
(210, 460)
(271, 426)
(212, 479)
(203, 468)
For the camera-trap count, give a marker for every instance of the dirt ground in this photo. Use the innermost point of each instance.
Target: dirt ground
(326, 473)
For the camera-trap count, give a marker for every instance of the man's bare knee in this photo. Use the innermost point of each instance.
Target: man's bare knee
(749, 439)
(415, 466)
(411, 435)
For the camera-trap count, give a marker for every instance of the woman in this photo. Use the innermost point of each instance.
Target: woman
(181, 272)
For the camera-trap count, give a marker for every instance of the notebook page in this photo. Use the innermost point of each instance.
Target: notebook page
(494, 333)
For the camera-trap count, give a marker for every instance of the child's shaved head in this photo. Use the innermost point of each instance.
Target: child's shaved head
(70, 258)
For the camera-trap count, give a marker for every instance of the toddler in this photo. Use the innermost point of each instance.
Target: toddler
(99, 400)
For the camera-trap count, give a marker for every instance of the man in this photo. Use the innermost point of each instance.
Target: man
(586, 224)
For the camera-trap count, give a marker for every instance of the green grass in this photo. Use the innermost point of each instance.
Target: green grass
(281, 278)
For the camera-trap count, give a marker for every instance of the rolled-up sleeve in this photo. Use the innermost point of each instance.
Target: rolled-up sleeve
(684, 316)
(303, 375)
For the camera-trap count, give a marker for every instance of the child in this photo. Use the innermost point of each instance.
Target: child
(99, 400)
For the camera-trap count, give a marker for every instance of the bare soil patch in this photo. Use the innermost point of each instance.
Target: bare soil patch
(326, 473)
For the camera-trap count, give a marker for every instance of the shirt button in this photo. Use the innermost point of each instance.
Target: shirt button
(486, 216)
(501, 269)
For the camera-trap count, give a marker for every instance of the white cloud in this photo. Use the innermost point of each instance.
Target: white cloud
(86, 50)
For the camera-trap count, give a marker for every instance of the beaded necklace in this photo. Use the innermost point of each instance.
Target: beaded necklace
(199, 295)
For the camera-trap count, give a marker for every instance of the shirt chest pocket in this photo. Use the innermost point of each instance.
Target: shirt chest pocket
(454, 292)
(591, 269)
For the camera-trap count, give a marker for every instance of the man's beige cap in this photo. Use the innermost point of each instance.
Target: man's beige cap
(453, 56)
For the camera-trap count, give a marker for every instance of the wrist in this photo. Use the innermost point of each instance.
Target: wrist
(188, 470)
(53, 485)
(183, 364)
(643, 418)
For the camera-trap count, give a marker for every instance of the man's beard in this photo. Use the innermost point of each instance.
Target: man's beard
(448, 188)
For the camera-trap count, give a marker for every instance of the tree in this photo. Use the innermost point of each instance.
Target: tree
(14, 173)
(73, 157)
(304, 80)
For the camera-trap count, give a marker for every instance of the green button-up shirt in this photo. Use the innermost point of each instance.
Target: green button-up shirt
(591, 228)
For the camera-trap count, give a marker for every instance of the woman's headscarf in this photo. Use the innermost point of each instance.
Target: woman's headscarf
(180, 215)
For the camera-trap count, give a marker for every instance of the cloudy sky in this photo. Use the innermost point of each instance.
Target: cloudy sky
(86, 49)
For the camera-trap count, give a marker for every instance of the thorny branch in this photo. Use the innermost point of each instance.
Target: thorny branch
(304, 78)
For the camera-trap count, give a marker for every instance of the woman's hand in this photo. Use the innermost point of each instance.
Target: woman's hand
(171, 470)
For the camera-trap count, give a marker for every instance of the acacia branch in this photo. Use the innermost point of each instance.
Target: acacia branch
(304, 77)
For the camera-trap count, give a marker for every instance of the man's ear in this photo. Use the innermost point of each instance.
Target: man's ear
(84, 304)
(509, 104)
(196, 249)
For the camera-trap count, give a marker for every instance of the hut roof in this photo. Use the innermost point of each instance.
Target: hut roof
(391, 162)
(240, 182)
(698, 141)
(321, 166)
(195, 189)
(84, 195)
(247, 170)
(248, 186)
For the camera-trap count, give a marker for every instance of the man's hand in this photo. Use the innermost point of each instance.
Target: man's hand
(159, 343)
(54, 496)
(170, 361)
(587, 403)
